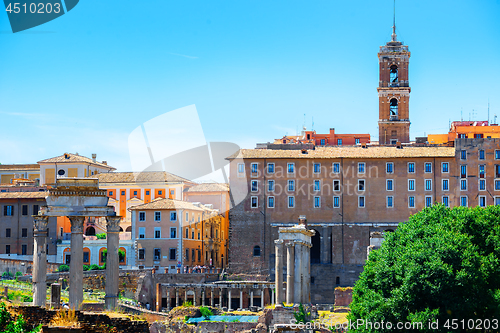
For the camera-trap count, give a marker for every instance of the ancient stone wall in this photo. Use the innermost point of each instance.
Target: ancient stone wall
(343, 296)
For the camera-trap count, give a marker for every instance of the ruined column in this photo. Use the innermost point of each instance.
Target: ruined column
(306, 273)
(55, 295)
(290, 270)
(185, 294)
(203, 296)
(241, 299)
(158, 297)
(40, 261)
(194, 296)
(220, 298)
(229, 299)
(168, 298)
(297, 284)
(279, 271)
(251, 298)
(112, 262)
(212, 297)
(76, 263)
(272, 296)
(176, 297)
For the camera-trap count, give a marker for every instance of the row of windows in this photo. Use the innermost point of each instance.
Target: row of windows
(173, 216)
(157, 233)
(172, 254)
(24, 232)
(445, 167)
(135, 193)
(24, 249)
(481, 155)
(193, 255)
(8, 210)
(361, 201)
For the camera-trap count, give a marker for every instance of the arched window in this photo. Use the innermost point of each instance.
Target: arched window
(256, 251)
(394, 74)
(129, 229)
(394, 108)
(90, 231)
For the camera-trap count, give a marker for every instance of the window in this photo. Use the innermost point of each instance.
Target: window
(482, 201)
(254, 168)
(147, 192)
(361, 185)
(141, 254)
(361, 202)
(135, 192)
(24, 249)
(336, 202)
(481, 154)
(481, 171)
(478, 136)
(317, 185)
(157, 232)
(389, 167)
(8, 210)
(361, 168)
(254, 186)
(160, 192)
(497, 171)
(25, 210)
(173, 232)
(428, 184)
(497, 201)
(336, 167)
(172, 254)
(463, 155)
(254, 202)
(192, 255)
(24, 232)
(270, 185)
(173, 216)
(411, 202)
(446, 201)
(446, 184)
(158, 216)
(428, 167)
(270, 168)
(142, 216)
(187, 233)
(291, 202)
(317, 168)
(291, 185)
(317, 202)
(256, 251)
(463, 171)
(411, 184)
(411, 167)
(187, 217)
(123, 192)
(389, 185)
(482, 184)
(7, 249)
(86, 257)
(497, 154)
(445, 167)
(192, 233)
(336, 185)
(339, 142)
(35, 210)
(357, 141)
(199, 255)
(462, 136)
(241, 168)
(157, 253)
(393, 108)
(428, 201)
(142, 232)
(390, 203)
(322, 142)
(270, 202)
(110, 193)
(393, 75)
(463, 201)
(290, 168)
(172, 192)
(7, 232)
(463, 185)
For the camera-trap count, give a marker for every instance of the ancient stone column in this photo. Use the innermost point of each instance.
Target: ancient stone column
(241, 299)
(194, 296)
(112, 262)
(185, 294)
(297, 286)
(168, 298)
(251, 298)
(158, 297)
(202, 296)
(212, 297)
(176, 297)
(279, 271)
(55, 295)
(220, 298)
(272, 296)
(229, 299)
(40, 261)
(76, 263)
(306, 274)
(290, 270)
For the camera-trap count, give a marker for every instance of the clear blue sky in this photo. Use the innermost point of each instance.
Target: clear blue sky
(84, 81)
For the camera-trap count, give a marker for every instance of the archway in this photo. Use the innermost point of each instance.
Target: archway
(90, 231)
(129, 229)
(316, 248)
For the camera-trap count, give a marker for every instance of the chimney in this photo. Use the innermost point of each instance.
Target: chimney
(94, 156)
(105, 162)
(363, 145)
(399, 145)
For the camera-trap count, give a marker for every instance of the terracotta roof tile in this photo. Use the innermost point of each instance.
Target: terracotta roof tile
(348, 152)
(208, 187)
(139, 177)
(24, 195)
(72, 158)
(161, 203)
(20, 167)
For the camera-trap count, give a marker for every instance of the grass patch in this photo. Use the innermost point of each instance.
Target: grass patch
(65, 318)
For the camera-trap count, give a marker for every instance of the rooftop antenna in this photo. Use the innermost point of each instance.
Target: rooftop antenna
(393, 36)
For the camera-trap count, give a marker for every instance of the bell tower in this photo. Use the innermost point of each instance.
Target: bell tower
(394, 92)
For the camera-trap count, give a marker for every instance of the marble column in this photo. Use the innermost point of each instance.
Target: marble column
(112, 262)
(194, 297)
(76, 263)
(297, 288)
(220, 298)
(40, 261)
(251, 297)
(203, 294)
(279, 271)
(168, 298)
(229, 299)
(212, 297)
(176, 297)
(185, 294)
(306, 274)
(241, 299)
(290, 271)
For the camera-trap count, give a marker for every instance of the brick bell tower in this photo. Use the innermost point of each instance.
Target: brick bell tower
(394, 92)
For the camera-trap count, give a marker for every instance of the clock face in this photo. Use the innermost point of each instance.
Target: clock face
(61, 172)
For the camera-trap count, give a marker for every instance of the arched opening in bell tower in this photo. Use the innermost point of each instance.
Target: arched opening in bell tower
(394, 74)
(394, 108)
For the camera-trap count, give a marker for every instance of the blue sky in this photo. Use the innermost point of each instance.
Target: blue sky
(83, 82)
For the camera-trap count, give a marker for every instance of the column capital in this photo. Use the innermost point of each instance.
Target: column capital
(290, 244)
(278, 242)
(40, 223)
(113, 223)
(77, 223)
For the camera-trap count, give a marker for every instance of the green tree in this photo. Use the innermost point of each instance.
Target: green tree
(443, 264)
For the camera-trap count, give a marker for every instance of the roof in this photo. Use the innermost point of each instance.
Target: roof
(20, 167)
(348, 152)
(166, 203)
(74, 158)
(208, 187)
(24, 195)
(139, 177)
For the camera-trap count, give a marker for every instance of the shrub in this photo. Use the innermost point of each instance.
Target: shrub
(206, 312)
(94, 267)
(302, 316)
(9, 325)
(187, 304)
(101, 236)
(6, 274)
(63, 268)
(65, 318)
(19, 273)
(86, 267)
